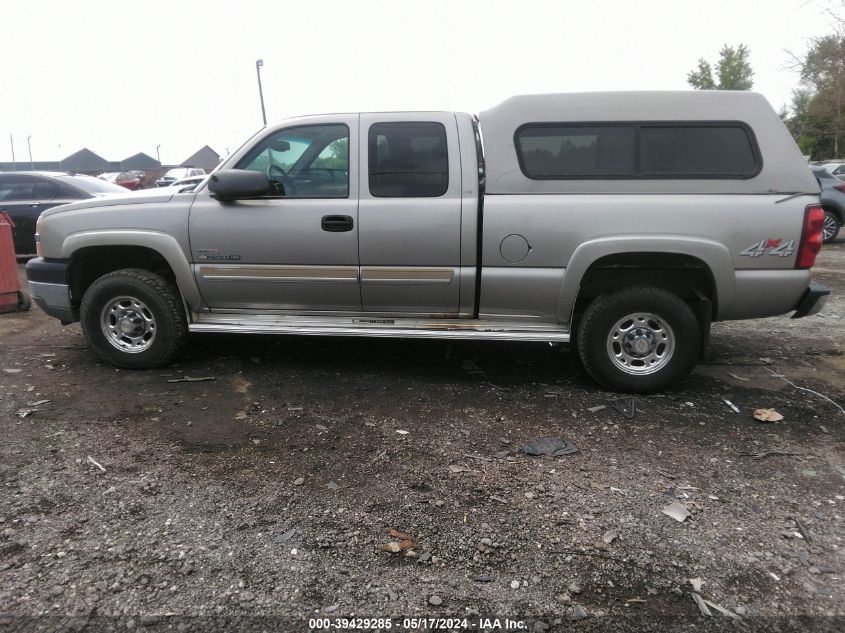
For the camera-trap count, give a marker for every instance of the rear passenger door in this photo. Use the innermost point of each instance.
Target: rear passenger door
(410, 214)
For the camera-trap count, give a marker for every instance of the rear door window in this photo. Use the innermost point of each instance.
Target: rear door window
(44, 190)
(408, 160)
(16, 188)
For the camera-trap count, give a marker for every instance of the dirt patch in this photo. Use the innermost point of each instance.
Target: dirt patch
(268, 492)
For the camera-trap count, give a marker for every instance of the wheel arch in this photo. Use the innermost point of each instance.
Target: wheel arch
(669, 262)
(840, 216)
(95, 253)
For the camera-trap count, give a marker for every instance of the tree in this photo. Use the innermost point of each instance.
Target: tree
(810, 129)
(823, 76)
(733, 69)
(337, 158)
(702, 78)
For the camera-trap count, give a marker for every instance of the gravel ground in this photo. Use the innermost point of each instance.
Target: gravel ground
(263, 498)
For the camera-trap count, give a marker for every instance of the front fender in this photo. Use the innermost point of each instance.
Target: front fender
(164, 244)
(716, 256)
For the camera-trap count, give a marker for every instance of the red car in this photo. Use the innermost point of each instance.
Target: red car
(129, 180)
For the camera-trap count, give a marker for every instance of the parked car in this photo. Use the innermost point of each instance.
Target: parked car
(833, 202)
(127, 179)
(834, 168)
(177, 174)
(188, 184)
(25, 194)
(621, 222)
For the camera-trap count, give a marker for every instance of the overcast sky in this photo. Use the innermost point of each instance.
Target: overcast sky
(124, 77)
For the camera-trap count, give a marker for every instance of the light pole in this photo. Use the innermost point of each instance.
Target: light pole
(158, 156)
(60, 156)
(259, 63)
(12, 141)
(29, 147)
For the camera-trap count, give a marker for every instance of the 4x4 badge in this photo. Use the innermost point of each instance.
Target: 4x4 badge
(775, 247)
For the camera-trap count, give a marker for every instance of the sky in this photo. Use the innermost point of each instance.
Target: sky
(126, 77)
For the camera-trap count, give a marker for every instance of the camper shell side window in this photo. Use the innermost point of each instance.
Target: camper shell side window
(638, 150)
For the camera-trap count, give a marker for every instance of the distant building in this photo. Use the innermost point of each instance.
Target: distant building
(205, 158)
(87, 162)
(140, 162)
(25, 165)
(83, 162)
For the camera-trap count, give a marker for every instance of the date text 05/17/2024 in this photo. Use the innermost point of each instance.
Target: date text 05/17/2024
(417, 624)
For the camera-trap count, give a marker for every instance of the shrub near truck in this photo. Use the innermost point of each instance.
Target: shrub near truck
(624, 223)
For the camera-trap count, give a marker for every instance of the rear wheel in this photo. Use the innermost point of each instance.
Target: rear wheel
(830, 228)
(638, 340)
(133, 318)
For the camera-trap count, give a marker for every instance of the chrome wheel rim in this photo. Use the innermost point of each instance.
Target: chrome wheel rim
(128, 324)
(829, 227)
(640, 343)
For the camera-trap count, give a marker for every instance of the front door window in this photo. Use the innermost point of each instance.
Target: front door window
(308, 161)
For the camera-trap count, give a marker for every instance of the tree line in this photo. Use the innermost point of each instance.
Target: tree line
(816, 114)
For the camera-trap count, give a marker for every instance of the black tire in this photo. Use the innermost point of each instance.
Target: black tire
(157, 303)
(599, 353)
(24, 301)
(832, 224)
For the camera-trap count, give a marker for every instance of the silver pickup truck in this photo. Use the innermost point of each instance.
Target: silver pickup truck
(622, 223)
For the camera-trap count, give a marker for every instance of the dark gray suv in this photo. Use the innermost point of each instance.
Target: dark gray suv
(832, 199)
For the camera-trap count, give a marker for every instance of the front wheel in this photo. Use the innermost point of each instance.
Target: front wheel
(638, 340)
(133, 318)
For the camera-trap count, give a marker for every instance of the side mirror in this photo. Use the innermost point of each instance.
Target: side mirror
(235, 184)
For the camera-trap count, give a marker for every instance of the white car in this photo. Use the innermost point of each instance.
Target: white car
(835, 169)
(187, 184)
(178, 173)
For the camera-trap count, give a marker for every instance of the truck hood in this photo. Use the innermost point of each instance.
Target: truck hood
(154, 196)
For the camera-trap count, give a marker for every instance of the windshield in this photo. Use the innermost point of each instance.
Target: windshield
(89, 184)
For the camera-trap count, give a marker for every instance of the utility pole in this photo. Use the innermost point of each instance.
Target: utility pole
(259, 63)
(60, 157)
(12, 141)
(158, 156)
(29, 147)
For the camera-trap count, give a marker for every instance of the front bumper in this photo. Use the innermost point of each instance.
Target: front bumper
(812, 302)
(49, 288)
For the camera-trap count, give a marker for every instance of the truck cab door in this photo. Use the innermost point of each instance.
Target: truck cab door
(296, 249)
(410, 214)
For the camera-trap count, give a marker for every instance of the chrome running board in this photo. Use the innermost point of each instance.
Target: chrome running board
(376, 326)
